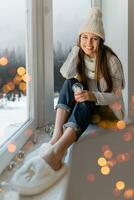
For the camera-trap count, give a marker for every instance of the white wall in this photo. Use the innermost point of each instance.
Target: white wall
(115, 17)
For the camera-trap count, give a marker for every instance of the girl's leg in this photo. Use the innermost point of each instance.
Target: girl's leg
(61, 118)
(65, 106)
(55, 155)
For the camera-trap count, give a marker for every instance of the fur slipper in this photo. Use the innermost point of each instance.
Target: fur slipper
(39, 151)
(36, 176)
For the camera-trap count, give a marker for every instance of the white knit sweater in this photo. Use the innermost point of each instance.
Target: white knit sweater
(113, 99)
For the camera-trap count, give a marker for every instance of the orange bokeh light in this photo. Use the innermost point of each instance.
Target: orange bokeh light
(108, 154)
(121, 124)
(22, 86)
(129, 193)
(11, 147)
(6, 88)
(17, 80)
(21, 71)
(3, 61)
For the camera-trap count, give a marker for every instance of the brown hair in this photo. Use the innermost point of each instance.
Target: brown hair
(101, 68)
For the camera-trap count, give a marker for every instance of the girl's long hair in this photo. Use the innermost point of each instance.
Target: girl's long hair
(101, 68)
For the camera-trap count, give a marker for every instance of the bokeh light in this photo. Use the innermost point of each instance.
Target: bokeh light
(6, 88)
(127, 137)
(120, 185)
(108, 154)
(121, 124)
(123, 157)
(90, 177)
(21, 71)
(116, 192)
(105, 147)
(116, 106)
(3, 61)
(111, 162)
(105, 170)
(22, 86)
(17, 80)
(129, 193)
(11, 147)
(102, 161)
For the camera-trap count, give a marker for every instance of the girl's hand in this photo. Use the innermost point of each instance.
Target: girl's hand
(85, 95)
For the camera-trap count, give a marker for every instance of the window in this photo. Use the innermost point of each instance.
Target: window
(68, 15)
(17, 76)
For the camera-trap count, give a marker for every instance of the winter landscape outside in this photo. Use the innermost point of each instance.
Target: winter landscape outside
(13, 98)
(13, 76)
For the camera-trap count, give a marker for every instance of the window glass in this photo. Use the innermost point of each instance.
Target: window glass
(68, 15)
(13, 70)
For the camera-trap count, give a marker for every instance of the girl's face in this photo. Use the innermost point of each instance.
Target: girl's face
(89, 43)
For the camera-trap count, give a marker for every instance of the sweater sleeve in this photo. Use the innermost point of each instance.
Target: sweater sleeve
(106, 98)
(68, 69)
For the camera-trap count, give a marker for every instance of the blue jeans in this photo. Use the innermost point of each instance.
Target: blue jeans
(80, 113)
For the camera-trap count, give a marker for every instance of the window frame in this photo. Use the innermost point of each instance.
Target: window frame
(20, 136)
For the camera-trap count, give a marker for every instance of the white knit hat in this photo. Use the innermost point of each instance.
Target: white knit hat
(93, 23)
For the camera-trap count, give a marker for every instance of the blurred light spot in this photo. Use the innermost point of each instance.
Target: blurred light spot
(11, 86)
(105, 148)
(132, 98)
(26, 78)
(108, 154)
(127, 136)
(21, 71)
(111, 163)
(11, 147)
(118, 92)
(123, 157)
(96, 118)
(116, 105)
(103, 124)
(129, 193)
(105, 170)
(120, 185)
(3, 61)
(29, 132)
(116, 192)
(17, 79)
(6, 88)
(91, 177)
(121, 124)
(22, 86)
(102, 161)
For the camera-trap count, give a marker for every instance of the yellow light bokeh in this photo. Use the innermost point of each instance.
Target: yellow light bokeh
(121, 124)
(120, 185)
(3, 61)
(11, 147)
(105, 170)
(22, 86)
(108, 154)
(21, 71)
(102, 161)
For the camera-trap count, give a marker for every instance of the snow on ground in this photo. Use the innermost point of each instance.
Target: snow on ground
(12, 115)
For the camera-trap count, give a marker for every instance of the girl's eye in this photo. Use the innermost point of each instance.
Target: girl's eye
(84, 37)
(95, 38)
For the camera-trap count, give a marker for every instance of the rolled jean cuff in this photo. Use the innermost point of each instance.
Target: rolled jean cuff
(63, 106)
(75, 127)
(72, 125)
